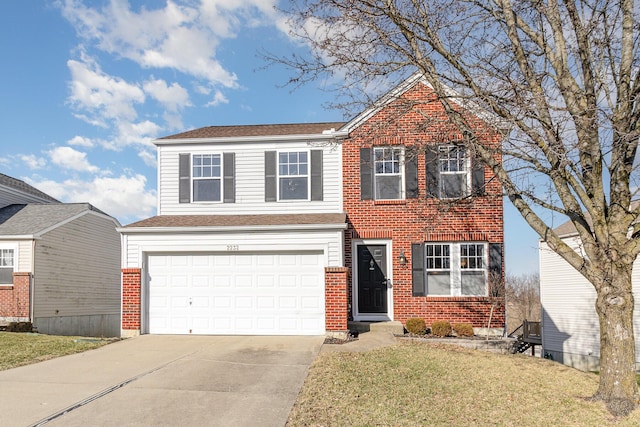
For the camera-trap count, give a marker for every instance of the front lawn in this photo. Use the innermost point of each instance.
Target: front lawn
(17, 349)
(414, 384)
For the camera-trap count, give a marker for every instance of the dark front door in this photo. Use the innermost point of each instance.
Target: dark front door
(372, 279)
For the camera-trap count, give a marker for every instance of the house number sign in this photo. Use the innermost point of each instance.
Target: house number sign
(232, 248)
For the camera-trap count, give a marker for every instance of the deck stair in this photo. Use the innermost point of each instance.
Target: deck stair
(527, 335)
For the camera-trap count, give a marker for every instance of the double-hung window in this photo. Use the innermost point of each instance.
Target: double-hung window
(438, 268)
(7, 263)
(472, 269)
(454, 170)
(207, 177)
(293, 175)
(388, 173)
(456, 269)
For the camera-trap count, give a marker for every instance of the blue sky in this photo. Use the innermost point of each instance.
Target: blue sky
(87, 85)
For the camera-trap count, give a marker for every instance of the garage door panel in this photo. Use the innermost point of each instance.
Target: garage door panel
(237, 294)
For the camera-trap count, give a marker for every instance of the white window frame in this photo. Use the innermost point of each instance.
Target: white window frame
(307, 176)
(455, 269)
(445, 150)
(203, 178)
(400, 172)
(13, 248)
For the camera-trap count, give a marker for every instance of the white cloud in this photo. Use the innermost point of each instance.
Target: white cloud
(70, 158)
(100, 96)
(218, 99)
(33, 162)
(81, 141)
(124, 197)
(173, 97)
(182, 36)
(148, 157)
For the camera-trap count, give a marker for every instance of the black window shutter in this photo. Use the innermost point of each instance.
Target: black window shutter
(411, 173)
(229, 177)
(431, 169)
(184, 183)
(270, 185)
(366, 174)
(495, 259)
(477, 177)
(417, 269)
(316, 175)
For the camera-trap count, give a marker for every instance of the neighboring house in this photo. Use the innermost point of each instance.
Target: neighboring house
(59, 263)
(570, 325)
(298, 228)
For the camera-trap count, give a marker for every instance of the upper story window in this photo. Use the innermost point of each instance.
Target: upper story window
(453, 166)
(293, 175)
(207, 177)
(7, 262)
(451, 172)
(388, 171)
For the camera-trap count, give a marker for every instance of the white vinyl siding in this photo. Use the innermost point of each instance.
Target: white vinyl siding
(77, 269)
(570, 323)
(249, 180)
(329, 242)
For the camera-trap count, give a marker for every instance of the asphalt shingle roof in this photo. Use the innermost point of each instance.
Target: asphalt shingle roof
(19, 185)
(16, 220)
(239, 220)
(256, 130)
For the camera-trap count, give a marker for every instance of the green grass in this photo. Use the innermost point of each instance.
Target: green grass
(17, 349)
(415, 384)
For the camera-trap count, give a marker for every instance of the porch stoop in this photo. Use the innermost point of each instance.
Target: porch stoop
(394, 328)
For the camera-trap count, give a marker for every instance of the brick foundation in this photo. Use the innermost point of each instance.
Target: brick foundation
(131, 308)
(14, 300)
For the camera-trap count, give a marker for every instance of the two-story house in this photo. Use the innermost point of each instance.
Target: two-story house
(298, 228)
(59, 263)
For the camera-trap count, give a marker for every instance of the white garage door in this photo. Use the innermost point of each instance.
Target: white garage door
(236, 294)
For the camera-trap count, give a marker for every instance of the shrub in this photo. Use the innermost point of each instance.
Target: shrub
(463, 329)
(441, 328)
(416, 325)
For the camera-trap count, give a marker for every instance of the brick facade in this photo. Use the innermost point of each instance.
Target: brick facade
(14, 300)
(336, 298)
(421, 219)
(131, 308)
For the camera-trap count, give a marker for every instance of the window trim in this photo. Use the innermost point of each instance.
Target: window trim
(455, 268)
(193, 178)
(467, 172)
(307, 176)
(401, 170)
(14, 248)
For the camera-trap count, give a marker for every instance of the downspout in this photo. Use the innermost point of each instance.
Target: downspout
(32, 280)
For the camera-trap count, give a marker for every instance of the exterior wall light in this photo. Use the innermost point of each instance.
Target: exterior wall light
(402, 259)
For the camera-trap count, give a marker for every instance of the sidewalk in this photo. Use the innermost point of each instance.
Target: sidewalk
(371, 335)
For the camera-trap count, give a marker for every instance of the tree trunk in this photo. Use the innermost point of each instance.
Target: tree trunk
(614, 305)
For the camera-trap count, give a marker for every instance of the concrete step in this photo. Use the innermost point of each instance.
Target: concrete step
(395, 328)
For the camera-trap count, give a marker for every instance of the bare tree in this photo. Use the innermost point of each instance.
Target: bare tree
(563, 75)
(523, 299)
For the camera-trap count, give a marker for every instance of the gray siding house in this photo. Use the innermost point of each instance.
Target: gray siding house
(59, 263)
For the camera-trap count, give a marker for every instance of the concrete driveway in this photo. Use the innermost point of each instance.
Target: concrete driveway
(155, 380)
